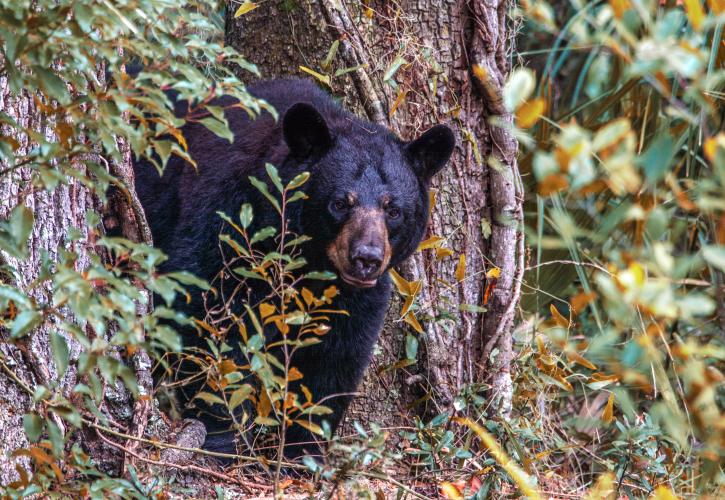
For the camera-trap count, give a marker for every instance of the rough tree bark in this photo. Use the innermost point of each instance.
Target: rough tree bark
(452, 58)
(28, 362)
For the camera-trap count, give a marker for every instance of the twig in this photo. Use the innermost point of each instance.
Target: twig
(188, 467)
(395, 482)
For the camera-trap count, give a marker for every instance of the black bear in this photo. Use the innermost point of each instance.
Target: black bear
(366, 211)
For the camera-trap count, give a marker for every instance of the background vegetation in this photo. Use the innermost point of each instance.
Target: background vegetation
(617, 375)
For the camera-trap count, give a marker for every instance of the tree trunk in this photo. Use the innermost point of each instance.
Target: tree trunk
(28, 362)
(412, 65)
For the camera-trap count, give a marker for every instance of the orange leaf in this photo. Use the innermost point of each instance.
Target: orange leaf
(448, 490)
(266, 309)
(579, 359)
(398, 101)
(579, 301)
(264, 405)
(307, 296)
(461, 268)
(552, 183)
(620, 7)
(559, 318)
(294, 374)
(608, 413)
(530, 112)
(717, 6)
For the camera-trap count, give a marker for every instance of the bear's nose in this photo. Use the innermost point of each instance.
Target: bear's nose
(367, 259)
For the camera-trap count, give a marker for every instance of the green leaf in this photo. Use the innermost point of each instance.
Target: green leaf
(61, 355)
(321, 275)
(218, 127)
(657, 159)
(274, 175)
(24, 323)
(52, 84)
(15, 231)
(262, 188)
(715, 256)
(394, 67)
(330, 55)
(411, 346)
(33, 425)
(246, 215)
(263, 234)
(298, 180)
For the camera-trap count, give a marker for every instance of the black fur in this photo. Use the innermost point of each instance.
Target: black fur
(343, 153)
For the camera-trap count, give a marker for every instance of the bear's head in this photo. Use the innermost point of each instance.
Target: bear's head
(367, 206)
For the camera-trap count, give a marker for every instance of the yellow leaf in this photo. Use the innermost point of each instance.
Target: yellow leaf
(711, 144)
(266, 309)
(323, 78)
(603, 489)
(520, 477)
(664, 493)
(432, 242)
(559, 318)
(312, 427)
(530, 112)
(620, 7)
(494, 272)
(406, 305)
(608, 413)
(413, 321)
(307, 393)
(461, 268)
(246, 7)
(448, 490)
(401, 283)
(432, 194)
(294, 374)
(695, 13)
(443, 252)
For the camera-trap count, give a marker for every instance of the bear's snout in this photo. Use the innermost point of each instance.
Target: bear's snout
(361, 250)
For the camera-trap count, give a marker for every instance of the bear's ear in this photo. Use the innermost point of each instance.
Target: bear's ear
(305, 131)
(430, 152)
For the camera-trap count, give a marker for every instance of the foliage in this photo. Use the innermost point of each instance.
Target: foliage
(60, 54)
(248, 367)
(624, 314)
(620, 340)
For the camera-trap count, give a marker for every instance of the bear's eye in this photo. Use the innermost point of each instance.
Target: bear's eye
(393, 213)
(340, 205)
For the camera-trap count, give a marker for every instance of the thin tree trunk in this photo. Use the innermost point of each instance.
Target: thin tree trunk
(27, 363)
(435, 44)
